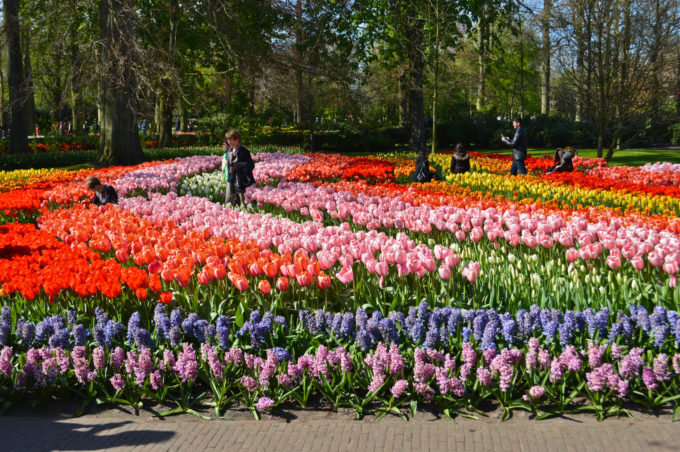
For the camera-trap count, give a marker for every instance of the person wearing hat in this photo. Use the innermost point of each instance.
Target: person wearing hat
(103, 194)
(519, 147)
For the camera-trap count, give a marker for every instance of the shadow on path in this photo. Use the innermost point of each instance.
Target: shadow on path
(59, 434)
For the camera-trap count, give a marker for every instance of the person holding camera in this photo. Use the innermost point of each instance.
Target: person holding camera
(519, 147)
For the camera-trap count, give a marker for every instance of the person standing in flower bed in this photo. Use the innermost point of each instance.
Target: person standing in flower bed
(103, 194)
(238, 166)
(460, 161)
(519, 147)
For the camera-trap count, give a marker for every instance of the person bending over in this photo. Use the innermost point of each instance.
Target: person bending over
(103, 194)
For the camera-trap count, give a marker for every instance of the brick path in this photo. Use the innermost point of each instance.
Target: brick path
(114, 431)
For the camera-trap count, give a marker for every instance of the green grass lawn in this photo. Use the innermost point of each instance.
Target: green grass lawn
(630, 157)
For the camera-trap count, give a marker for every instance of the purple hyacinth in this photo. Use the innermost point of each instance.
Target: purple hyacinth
(509, 329)
(60, 339)
(549, 330)
(388, 330)
(25, 331)
(479, 325)
(134, 323)
(398, 318)
(347, 328)
(80, 334)
(5, 325)
(175, 318)
(222, 331)
(566, 332)
(489, 337)
(161, 321)
(364, 339)
(282, 354)
(361, 318)
(467, 332)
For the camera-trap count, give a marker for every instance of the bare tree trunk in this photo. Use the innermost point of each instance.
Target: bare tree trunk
(75, 85)
(167, 101)
(436, 80)
(3, 118)
(403, 86)
(414, 34)
(481, 44)
(18, 140)
(28, 80)
(183, 117)
(545, 56)
(119, 140)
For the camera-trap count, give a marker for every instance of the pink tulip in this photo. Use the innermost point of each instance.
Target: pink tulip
(264, 286)
(572, 254)
(614, 262)
(444, 272)
(670, 267)
(323, 281)
(345, 275)
(282, 283)
(452, 260)
(655, 259)
(637, 262)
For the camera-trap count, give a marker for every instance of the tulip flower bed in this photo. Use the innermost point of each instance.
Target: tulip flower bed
(267, 304)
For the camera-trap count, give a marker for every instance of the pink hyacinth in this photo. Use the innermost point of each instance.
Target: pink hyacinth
(6, 360)
(536, 392)
(156, 379)
(117, 358)
(649, 378)
(661, 367)
(484, 376)
(99, 358)
(399, 387)
(264, 403)
(117, 382)
(249, 383)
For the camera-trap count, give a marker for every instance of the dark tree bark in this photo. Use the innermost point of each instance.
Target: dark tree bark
(167, 99)
(28, 81)
(545, 56)
(414, 34)
(18, 139)
(119, 140)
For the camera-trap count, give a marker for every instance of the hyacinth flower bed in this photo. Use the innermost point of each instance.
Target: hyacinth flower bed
(345, 283)
(543, 361)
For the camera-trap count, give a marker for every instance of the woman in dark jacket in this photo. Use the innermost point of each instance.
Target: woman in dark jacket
(239, 168)
(460, 161)
(563, 161)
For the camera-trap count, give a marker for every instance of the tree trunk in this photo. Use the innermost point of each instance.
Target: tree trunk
(30, 91)
(119, 140)
(18, 140)
(167, 102)
(403, 86)
(3, 118)
(481, 45)
(545, 57)
(414, 34)
(436, 81)
(165, 124)
(75, 86)
(183, 117)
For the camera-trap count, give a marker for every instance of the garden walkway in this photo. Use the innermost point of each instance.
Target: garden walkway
(322, 431)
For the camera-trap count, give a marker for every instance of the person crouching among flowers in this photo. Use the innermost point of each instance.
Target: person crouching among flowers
(103, 194)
